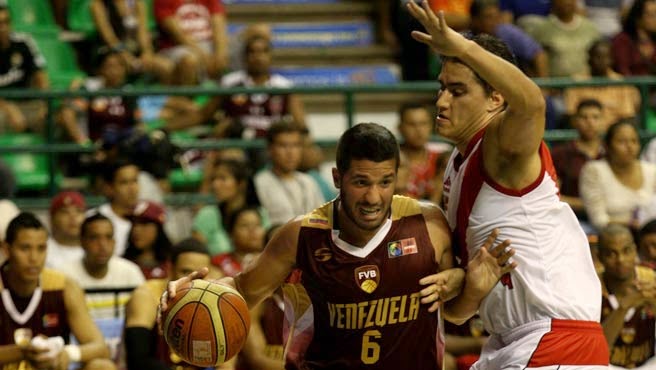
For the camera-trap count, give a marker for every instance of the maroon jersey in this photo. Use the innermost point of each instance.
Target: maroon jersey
(359, 308)
(635, 344)
(44, 312)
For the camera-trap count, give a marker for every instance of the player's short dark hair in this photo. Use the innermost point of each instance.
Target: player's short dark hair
(492, 45)
(189, 245)
(24, 220)
(96, 216)
(410, 106)
(282, 127)
(368, 141)
(588, 103)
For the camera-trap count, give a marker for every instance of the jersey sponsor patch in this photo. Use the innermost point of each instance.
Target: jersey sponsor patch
(402, 247)
(320, 221)
(367, 277)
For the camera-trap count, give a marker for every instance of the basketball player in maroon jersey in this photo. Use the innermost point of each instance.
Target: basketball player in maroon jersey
(363, 259)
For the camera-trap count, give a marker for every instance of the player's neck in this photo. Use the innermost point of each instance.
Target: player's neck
(19, 287)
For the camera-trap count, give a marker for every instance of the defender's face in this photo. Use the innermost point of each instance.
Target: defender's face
(366, 191)
(461, 102)
(27, 254)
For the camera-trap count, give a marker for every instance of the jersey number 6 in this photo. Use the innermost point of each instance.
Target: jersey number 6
(370, 349)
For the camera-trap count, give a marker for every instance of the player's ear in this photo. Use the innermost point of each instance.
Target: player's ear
(336, 178)
(496, 101)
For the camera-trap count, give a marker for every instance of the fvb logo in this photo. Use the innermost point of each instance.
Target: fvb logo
(367, 277)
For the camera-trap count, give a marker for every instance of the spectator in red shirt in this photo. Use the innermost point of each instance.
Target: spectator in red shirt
(194, 36)
(634, 49)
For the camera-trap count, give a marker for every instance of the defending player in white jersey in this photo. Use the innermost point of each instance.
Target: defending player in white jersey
(544, 314)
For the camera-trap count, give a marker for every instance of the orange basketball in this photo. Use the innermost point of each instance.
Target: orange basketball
(206, 323)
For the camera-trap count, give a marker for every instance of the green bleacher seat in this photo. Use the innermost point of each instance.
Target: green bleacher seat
(80, 20)
(31, 13)
(60, 58)
(30, 170)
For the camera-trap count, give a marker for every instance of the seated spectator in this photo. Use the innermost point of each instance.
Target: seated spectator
(263, 348)
(617, 101)
(249, 116)
(50, 306)
(419, 155)
(283, 191)
(634, 49)
(486, 18)
(647, 245)
(66, 215)
(233, 189)
(566, 36)
(606, 15)
(148, 244)
(569, 157)
(145, 347)
(615, 188)
(120, 184)
(100, 268)
(21, 66)
(122, 26)
(85, 121)
(627, 314)
(193, 36)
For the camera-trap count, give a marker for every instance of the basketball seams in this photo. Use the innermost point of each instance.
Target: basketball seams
(193, 316)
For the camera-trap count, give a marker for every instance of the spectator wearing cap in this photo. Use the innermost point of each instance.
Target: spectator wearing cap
(148, 244)
(66, 215)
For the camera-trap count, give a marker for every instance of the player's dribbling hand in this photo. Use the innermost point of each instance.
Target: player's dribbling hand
(489, 264)
(442, 38)
(172, 288)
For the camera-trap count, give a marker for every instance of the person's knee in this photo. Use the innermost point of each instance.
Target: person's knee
(100, 364)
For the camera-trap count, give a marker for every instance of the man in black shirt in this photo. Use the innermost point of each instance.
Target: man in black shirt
(21, 66)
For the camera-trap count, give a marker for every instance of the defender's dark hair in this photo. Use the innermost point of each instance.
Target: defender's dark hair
(368, 141)
(282, 127)
(97, 216)
(494, 46)
(189, 245)
(587, 103)
(24, 220)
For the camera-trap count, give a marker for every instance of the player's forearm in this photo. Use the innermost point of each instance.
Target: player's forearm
(93, 350)
(613, 325)
(11, 353)
(519, 91)
(462, 308)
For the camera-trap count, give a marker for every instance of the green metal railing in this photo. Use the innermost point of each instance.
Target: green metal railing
(348, 92)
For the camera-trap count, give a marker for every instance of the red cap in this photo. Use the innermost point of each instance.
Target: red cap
(67, 198)
(149, 211)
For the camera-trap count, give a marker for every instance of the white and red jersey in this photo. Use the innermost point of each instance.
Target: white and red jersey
(555, 276)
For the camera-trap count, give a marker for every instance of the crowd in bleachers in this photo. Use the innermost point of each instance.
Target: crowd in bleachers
(135, 240)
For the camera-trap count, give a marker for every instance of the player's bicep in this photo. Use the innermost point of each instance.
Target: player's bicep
(272, 267)
(440, 235)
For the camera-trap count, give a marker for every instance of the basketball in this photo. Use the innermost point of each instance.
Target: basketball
(206, 324)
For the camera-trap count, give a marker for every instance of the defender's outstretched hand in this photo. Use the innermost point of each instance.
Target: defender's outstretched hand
(442, 38)
(172, 288)
(489, 265)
